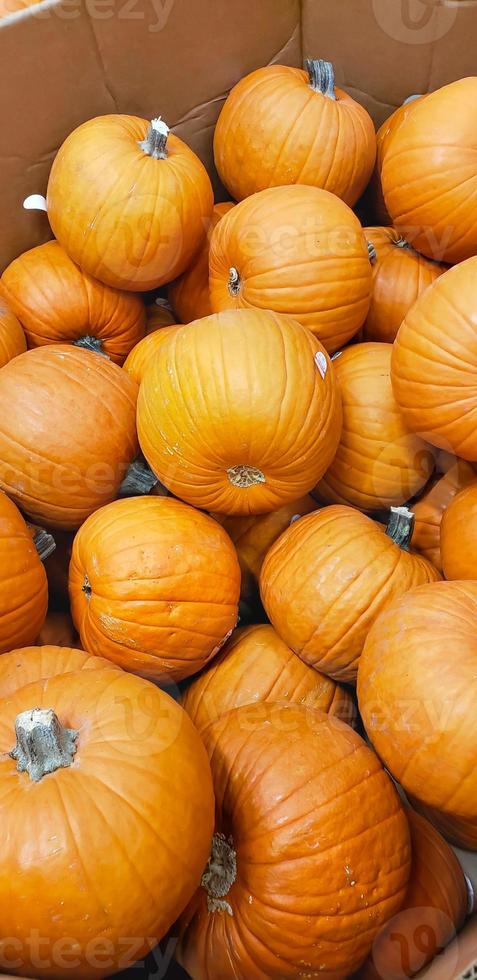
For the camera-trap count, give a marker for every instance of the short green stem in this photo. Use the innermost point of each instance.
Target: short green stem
(400, 526)
(321, 76)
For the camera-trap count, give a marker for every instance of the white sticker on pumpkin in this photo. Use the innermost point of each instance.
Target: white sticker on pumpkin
(321, 363)
(36, 202)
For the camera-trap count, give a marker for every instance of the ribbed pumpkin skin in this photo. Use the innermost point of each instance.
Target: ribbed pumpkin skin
(429, 510)
(23, 583)
(138, 360)
(58, 630)
(112, 867)
(12, 337)
(58, 304)
(69, 433)
(325, 581)
(374, 191)
(458, 831)
(158, 315)
(254, 535)
(433, 911)
(129, 220)
(274, 129)
(297, 250)
(189, 295)
(254, 667)
(208, 411)
(320, 815)
(31, 664)
(437, 343)
(416, 690)
(400, 275)
(379, 462)
(459, 535)
(429, 173)
(163, 584)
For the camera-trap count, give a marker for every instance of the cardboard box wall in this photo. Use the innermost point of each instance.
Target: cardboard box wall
(65, 61)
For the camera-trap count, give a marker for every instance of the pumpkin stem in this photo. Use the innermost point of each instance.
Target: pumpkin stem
(88, 342)
(86, 588)
(400, 526)
(372, 253)
(220, 874)
(43, 745)
(401, 242)
(139, 480)
(45, 543)
(322, 76)
(155, 143)
(235, 283)
(245, 476)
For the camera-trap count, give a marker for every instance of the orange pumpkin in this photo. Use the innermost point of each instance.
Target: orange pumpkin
(429, 509)
(254, 535)
(458, 830)
(295, 250)
(379, 462)
(140, 356)
(416, 690)
(124, 749)
(254, 667)
(154, 586)
(310, 839)
(400, 275)
(374, 191)
(12, 338)
(433, 911)
(459, 535)
(58, 630)
(128, 201)
(281, 125)
(69, 433)
(31, 664)
(326, 580)
(233, 433)
(57, 303)
(429, 173)
(23, 583)
(189, 294)
(434, 363)
(158, 315)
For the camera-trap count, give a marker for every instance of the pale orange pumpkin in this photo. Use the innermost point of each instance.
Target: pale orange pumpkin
(281, 125)
(430, 507)
(459, 535)
(128, 201)
(189, 294)
(295, 250)
(31, 664)
(12, 337)
(141, 355)
(374, 191)
(233, 433)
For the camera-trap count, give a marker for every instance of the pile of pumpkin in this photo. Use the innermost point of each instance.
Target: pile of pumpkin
(183, 468)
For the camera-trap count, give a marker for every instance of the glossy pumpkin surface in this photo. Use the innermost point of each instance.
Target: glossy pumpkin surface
(295, 250)
(459, 535)
(154, 586)
(429, 509)
(23, 583)
(138, 360)
(69, 434)
(12, 337)
(325, 581)
(321, 843)
(237, 434)
(189, 295)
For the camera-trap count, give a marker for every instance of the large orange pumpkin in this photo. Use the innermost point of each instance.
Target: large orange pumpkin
(158, 315)
(379, 462)
(429, 173)
(254, 667)
(67, 434)
(428, 510)
(58, 630)
(154, 586)
(295, 250)
(31, 664)
(57, 303)
(433, 911)
(416, 689)
(255, 534)
(128, 201)
(140, 356)
(100, 754)
(236, 433)
(189, 294)
(434, 363)
(325, 581)
(23, 583)
(459, 535)
(374, 191)
(311, 853)
(12, 337)
(400, 275)
(281, 125)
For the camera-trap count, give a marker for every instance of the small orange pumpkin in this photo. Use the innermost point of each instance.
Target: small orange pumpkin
(281, 125)
(459, 535)
(31, 664)
(326, 579)
(374, 191)
(429, 509)
(139, 358)
(158, 315)
(189, 294)
(58, 304)
(295, 250)
(12, 337)
(400, 275)
(128, 201)
(23, 583)
(255, 667)
(379, 462)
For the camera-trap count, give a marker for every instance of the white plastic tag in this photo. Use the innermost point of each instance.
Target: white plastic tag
(36, 202)
(321, 363)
